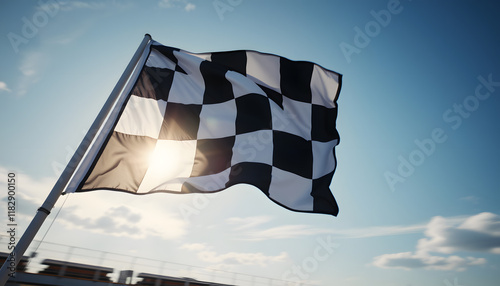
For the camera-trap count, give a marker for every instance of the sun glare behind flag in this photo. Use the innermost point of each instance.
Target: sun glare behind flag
(206, 122)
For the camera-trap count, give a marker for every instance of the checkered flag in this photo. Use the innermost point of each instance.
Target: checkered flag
(200, 123)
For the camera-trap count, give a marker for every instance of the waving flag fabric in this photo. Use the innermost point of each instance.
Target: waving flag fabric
(205, 122)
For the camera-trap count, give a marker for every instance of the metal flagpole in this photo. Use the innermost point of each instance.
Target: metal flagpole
(9, 267)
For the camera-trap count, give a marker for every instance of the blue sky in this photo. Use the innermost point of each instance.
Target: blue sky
(417, 178)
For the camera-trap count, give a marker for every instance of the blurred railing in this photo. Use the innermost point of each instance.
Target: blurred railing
(50, 258)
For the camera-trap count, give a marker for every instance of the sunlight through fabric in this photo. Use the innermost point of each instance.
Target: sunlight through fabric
(212, 121)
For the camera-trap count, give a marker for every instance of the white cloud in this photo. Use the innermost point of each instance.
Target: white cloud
(3, 86)
(377, 231)
(73, 5)
(285, 232)
(194, 246)
(248, 229)
(32, 65)
(480, 233)
(408, 261)
(120, 220)
(188, 6)
(206, 254)
(248, 222)
(105, 213)
(241, 258)
(116, 221)
(166, 3)
(477, 233)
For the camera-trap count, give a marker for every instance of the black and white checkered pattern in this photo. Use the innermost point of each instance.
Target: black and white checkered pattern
(205, 122)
